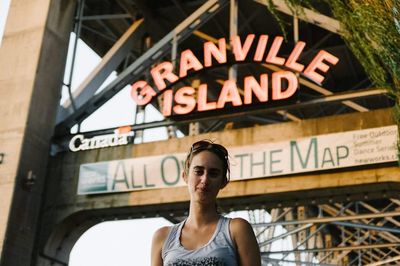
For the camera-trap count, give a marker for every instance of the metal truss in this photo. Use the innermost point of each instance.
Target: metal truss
(307, 15)
(84, 101)
(88, 103)
(358, 233)
(339, 97)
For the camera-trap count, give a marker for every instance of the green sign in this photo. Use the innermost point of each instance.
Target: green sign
(323, 152)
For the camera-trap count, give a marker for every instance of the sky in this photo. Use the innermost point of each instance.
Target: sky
(125, 242)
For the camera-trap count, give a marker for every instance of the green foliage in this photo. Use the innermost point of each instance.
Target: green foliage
(371, 29)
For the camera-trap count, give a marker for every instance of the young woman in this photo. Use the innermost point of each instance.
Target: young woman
(205, 237)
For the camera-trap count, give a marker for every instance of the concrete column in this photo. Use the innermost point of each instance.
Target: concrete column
(32, 60)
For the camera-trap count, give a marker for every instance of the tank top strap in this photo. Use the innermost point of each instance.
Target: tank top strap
(224, 236)
(172, 240)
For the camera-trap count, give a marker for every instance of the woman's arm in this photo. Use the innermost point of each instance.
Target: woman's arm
(246, 243)
(156, 245)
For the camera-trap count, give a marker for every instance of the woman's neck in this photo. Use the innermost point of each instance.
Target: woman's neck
(200, 215)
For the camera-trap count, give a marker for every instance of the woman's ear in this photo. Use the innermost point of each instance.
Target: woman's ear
(184, 176)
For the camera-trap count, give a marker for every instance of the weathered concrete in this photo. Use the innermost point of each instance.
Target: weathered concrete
(67, 215)
(32, 60)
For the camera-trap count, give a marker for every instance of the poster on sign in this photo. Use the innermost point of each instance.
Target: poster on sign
(262, 160)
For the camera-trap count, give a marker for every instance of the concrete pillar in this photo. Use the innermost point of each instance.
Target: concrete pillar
(32, 60)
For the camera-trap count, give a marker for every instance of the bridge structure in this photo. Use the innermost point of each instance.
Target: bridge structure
(314, 148)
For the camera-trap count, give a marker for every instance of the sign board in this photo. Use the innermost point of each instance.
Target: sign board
(322, 152)
(188, 99)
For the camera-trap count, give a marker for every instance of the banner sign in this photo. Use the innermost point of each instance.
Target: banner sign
(279, 85)
(323, 152)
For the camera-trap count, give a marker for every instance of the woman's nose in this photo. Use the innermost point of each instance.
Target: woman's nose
(205, 178)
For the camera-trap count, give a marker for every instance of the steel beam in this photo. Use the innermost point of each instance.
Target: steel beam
(332, 219)
(395, 201)
(320, 89)
(372, 209)
(332, 211)
(134, 71)
(313, 234)
(383, 262)
(353, 247)
(368, 227)
(294, 231)
(233, 31)
(307, 15)
(302, 263)
(168, 122)
(109, 63)
(107, 16)
(385, 235)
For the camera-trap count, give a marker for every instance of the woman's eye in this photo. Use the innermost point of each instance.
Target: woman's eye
(198, 172)
(214, 174)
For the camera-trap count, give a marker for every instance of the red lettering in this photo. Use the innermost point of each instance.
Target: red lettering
(229, 93)
(202, 104)
(277, 93)
(317, 63)
(210, 51)
(163, 72)
(145, 95)
(188, 61)
(185, 100)
(272, 55)
(262, 44)
(294, 55)
(240, 51)
(252, 86)
(167, 103)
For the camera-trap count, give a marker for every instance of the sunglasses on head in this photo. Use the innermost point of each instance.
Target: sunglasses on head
(209, 145)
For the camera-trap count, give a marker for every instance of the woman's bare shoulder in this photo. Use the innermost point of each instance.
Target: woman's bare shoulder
(240, 228)
(161, 234)
(238, 224)
(159, 238)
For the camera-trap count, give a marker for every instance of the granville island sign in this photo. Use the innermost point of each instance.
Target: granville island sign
(186, 99)
(279, 85)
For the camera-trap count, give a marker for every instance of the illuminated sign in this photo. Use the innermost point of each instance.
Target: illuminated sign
(80, 143)
(323, 152)
(186, 99)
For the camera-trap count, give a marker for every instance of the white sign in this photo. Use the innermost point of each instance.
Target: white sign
(79, 143)
(323, 152)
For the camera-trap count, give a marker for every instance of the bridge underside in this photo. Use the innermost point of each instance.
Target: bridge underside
(347, 216)
(342, 216)
(332, 217)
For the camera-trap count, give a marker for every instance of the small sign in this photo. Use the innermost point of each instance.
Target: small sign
(323, 152)
(80, 143)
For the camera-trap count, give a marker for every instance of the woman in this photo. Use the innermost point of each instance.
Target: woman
(205, 237)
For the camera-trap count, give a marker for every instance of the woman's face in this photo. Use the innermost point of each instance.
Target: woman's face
(205, 177)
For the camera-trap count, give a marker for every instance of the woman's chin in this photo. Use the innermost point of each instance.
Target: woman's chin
(205, 200)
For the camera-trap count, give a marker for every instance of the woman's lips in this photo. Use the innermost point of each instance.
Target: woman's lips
(202, 189)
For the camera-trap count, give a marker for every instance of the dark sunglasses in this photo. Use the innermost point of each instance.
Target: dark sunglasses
(209, 145)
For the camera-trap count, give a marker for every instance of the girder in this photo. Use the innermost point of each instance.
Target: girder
(135, 70)
(351, 241)
(307, 15)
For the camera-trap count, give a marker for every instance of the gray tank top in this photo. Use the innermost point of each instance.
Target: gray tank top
(219, 251)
